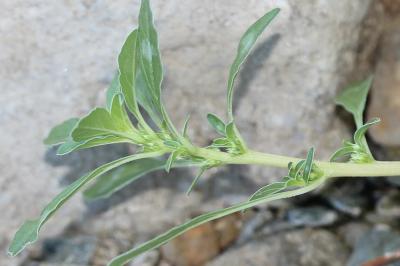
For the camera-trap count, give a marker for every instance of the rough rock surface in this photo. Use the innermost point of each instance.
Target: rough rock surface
(57, 58)
(296, 248)
(385, 96)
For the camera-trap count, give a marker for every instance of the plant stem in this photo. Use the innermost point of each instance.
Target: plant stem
(330, 169)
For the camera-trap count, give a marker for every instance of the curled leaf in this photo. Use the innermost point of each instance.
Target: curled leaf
(360, 132)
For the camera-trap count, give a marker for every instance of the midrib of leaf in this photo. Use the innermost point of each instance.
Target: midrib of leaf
(112, 133)
(29, 231)
(178, 230)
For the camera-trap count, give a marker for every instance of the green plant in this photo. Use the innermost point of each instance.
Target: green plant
(137, 89)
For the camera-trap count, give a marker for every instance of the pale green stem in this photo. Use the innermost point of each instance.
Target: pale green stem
(330, 169)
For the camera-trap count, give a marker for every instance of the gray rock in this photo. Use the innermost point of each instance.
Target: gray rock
(148, 259)
(74, 251)
(295, 248)
(373, 244)
(389, 204)
(139, 219)
(348, 198)
(312, 216)
(351, 232)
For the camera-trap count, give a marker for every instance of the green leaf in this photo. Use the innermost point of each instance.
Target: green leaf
(344, 151)
(109, 183)
(230, 131)
(202, 219)
(127, 61)
(361, 131)
(268, 190)
(102, 123)
(113, 90)
(70, 145)
(150, 61)
(216, 123)
(196, 179)
(29, 231)
(298, 169)
(185, 127)
(172, 144)
(245, 45)
(60, 133)
(308, 165)
(353, 99)
(151, 74)
(233, 135)
(171, 159)
(221, 143)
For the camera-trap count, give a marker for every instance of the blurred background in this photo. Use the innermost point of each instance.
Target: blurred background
(58, 57)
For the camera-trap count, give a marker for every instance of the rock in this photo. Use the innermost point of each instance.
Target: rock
(142, 217)
(385, 95)
(312, 216)
(150, 258)
(373, 244)
(296, 248)
(348, 198)
(254, 223)
(351, 232)
(68, 251)
(202, 243)
(389, 204)
(193, 248)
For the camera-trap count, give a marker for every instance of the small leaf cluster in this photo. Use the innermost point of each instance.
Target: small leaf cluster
(300, 174)
(357, 150)
(230, 140)
(353, 100)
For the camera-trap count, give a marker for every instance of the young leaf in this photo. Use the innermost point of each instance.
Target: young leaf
(172, 144)
(268, 190)
(360, 133)
(196, 179)
(216, 123)
(298, 169)
(221, 143)
(233, 134)
(344, 151)
(185, 127)
(109, 183)
(60, 133)
(202, 219)
(29, 231)
(113, 90)
(308, 165)
(101, 123)
(353, 99)
(171, 159)
(245, 45)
